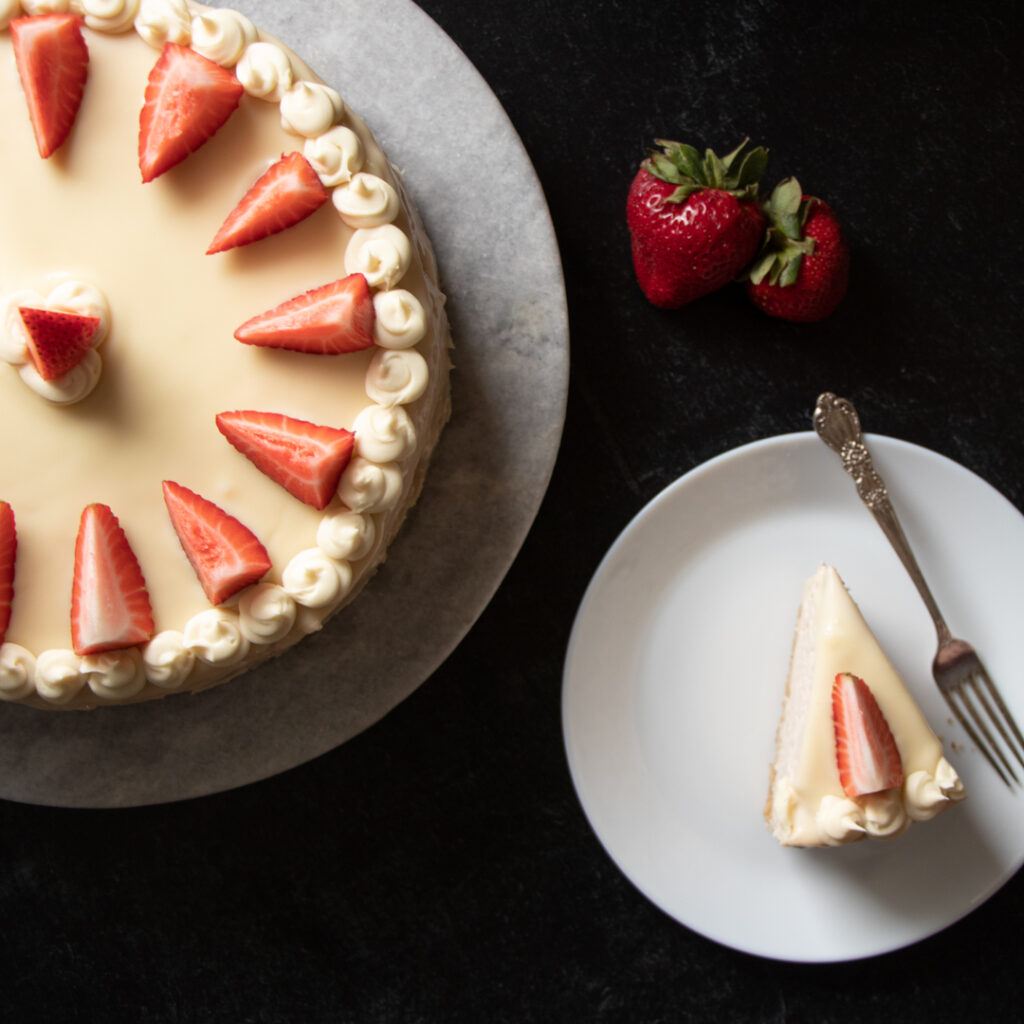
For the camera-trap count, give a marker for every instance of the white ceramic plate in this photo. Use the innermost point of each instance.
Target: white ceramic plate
(675, 673)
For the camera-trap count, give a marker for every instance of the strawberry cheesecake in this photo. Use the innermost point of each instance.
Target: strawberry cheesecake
(855, 757)
(223, 350)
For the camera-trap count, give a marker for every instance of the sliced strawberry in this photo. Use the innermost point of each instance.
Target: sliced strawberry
(337, 317)
(287, 193)
(304, 458)
(866, 752)
(53, 64)
(110, 607)
(8, 550)
(226, 555)
(188, 98)
(57, 341)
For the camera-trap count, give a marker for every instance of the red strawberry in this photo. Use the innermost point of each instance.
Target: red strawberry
(53, 64)
(306, 459)
(866, 751)
(110, 607)
(57, 341)
(335, 318)
(226, 555)
(694, 222)
(801, 272)
(287, 193)
(8, 550)
(188, 98)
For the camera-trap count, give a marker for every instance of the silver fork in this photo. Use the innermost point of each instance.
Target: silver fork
(957, 669)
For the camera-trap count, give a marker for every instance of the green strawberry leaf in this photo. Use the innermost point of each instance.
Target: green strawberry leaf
(662, 166)
(737, 173)
(714, 169)
(683, 192)
(752, 167)
(685, 158)
(790, 224)
(760, 268)
(790, 270)
(727, 160)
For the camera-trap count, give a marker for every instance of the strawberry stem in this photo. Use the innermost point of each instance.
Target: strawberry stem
(679, 164)
(784, 245)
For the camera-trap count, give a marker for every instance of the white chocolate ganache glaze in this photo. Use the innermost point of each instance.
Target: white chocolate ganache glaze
(87, 236)
(806, 804)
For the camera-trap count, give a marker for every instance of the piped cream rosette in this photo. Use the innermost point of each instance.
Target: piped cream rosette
(76, 297)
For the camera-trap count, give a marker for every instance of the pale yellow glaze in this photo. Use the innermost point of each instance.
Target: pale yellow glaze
(170, 362)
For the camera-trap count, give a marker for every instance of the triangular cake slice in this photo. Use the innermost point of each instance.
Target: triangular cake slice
(807, 804)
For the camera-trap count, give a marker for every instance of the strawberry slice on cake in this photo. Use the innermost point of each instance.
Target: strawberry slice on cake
(305, 458)
(110, 606)
(188, 98)
(225, 555)
(57, 341)
(335, 318)
(866, 753)
(53, 63)
(8, 551)
(284, 195)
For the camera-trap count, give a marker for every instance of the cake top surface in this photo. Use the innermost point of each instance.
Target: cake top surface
(164, 377)
(134, 255)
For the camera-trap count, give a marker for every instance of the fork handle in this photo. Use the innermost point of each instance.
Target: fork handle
(838, 425)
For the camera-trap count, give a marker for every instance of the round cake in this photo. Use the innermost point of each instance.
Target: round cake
(223, 350)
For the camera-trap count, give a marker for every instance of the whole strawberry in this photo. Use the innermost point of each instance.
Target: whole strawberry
(802, 270)
(694, 221)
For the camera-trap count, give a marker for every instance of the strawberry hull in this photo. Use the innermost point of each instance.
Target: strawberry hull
(821, 279)
(683, 251)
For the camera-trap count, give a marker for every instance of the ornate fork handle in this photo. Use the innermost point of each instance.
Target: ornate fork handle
(838, 425)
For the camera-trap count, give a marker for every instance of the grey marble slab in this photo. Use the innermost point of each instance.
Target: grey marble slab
(487, 217)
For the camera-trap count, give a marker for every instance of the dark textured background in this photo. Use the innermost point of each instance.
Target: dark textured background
(439, 868)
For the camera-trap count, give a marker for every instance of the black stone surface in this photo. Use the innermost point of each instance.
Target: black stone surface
(439, 867)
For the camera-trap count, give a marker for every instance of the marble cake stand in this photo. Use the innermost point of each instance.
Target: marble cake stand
(440, 123)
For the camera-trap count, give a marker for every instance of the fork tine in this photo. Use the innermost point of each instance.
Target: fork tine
(1004, 716)
(975, 738)
(963, 693)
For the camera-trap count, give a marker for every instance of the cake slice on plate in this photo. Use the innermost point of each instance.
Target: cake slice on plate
(855, 757)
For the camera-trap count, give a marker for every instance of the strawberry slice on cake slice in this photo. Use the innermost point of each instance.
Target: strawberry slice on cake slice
(335, 318)
(188, 99)
(8, 551)
(57, 341)
(53, 64)
(288, 192)
(304, 458)
(866, 753)
(226, 555)
(110, 606)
